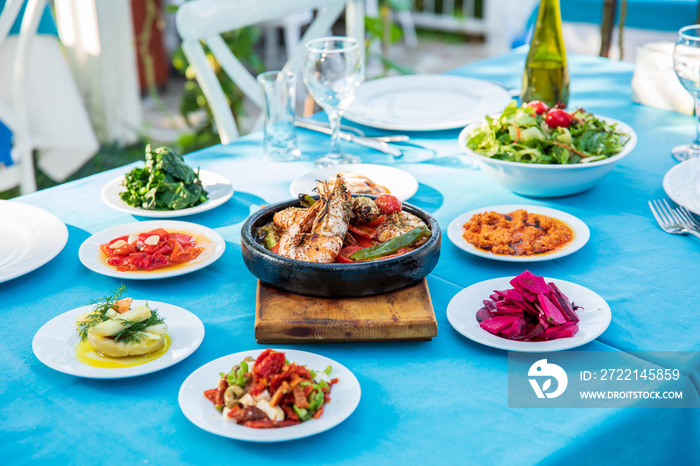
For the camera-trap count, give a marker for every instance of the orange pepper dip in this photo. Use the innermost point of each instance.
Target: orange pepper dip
(517, 233)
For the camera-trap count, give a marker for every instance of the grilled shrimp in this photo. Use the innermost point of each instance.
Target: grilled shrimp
(398, 224)
(289, 216)
(324, 239)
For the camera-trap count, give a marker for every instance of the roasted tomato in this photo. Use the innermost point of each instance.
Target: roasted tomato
(376, 222)
(388, 204)
(557, 117)
(344, 255)
(537, 105)
(363, 231)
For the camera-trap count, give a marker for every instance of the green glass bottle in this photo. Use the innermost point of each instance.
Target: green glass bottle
(546, 75)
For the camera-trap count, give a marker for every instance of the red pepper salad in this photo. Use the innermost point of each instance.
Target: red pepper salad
(271, 392)
(150, 250)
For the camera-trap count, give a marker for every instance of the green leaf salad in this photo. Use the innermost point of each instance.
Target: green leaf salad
(521, 134)
(165, 183)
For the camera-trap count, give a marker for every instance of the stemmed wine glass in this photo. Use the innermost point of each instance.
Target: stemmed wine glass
(333, 69)
(686, 62)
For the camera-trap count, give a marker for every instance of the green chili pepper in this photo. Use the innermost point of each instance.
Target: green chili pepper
(391, 246)
(244, 366)
(306, 200)
(328, 370)
(312, 374)
(303, 414)
(317, 401)
(267, 235)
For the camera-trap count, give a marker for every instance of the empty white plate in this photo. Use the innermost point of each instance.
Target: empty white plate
(682, 184)
(29, 238)
(425, 102)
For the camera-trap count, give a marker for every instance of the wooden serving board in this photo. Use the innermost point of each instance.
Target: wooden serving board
(282, 317)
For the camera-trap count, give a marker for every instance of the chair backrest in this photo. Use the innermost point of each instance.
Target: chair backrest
(203, 21)
(15, 116)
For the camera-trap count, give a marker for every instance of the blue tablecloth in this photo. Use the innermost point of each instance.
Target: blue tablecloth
(47, 25)
(662, 15)
(438, 402)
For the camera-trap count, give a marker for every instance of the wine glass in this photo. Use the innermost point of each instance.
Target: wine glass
(333, 69)
(686, 62)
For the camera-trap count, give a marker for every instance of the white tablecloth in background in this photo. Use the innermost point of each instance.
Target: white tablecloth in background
(59, 124)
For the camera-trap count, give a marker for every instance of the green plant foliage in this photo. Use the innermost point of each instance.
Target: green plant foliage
(375, 29)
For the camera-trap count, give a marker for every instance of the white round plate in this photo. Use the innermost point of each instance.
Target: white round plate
(55, 343)
(425, 102)
(682, 184)
(345, 396)
(29, 238)
(594, 317)
(218, 187)
(580, 231)
(401, 184)
(92, 258)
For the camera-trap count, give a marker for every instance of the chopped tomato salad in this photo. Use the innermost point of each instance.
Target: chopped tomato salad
(271, 392)
(150, 250)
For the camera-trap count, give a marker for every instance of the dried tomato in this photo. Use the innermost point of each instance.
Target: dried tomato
(269, 362)
(211, 394)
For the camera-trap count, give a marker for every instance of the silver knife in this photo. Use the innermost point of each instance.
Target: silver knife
(366, 142)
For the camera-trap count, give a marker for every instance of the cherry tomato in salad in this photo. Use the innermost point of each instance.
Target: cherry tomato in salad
(388, 204)
(537, 105)
(558, 118)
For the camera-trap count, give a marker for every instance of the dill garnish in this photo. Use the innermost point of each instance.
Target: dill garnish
(134, 333)
(97, 315)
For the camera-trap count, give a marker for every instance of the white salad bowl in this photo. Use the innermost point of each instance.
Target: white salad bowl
(543, 180)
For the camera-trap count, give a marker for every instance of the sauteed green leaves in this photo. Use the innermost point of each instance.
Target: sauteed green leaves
(165, 183)
(520, 134)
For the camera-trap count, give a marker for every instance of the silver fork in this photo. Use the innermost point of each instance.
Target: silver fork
(682, 217)
(688, 218)
(669, 220)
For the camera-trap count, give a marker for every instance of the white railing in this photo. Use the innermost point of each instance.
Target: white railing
(499, 21)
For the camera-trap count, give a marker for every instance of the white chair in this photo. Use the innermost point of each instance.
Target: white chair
(205, 20)
(15, 117)
(291, 27)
